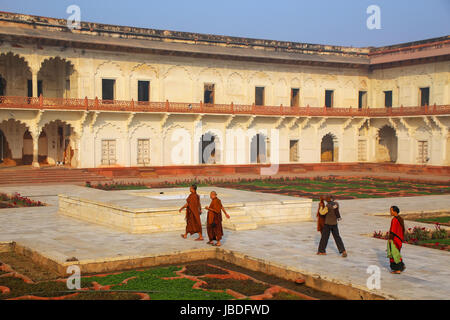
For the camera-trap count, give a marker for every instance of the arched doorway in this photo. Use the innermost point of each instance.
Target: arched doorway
(2, 86)
(329, 148)
(27, 150)
(259, 149)
(5, 152)
(58, 145)
(387, 145)
(208, 149)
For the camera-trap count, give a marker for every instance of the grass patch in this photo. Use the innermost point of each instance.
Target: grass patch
(444, 219)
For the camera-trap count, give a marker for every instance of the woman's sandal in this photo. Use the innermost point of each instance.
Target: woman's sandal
(183, 236)
(198, 239)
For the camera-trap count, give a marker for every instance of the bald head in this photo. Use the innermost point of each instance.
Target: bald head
(213, 195)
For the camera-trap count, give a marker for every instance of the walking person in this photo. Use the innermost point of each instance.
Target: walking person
(331, 219)
(321, 212)
(214, 220)
(396, 238)
(193, 211)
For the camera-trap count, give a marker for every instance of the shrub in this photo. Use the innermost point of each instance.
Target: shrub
(438, 232)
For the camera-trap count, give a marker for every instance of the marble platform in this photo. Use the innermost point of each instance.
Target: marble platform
(156, 210)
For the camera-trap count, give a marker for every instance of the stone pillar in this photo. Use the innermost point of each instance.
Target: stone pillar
(34, 81)
(35, 137)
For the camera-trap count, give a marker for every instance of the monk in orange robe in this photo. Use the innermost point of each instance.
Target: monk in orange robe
(214, 221)
(193, 211)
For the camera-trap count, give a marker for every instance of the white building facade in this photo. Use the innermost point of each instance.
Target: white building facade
(119, 96)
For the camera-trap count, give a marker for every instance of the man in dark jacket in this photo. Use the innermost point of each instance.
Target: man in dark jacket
(331, 219)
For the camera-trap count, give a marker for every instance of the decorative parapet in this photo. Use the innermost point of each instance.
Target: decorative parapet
(62, 104)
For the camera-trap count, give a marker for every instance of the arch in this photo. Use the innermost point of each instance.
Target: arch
(13, 131)
(259, 148)
(5, 151)
(59, 146)
(144, 144)
(209, 148)
(112, 71)
(27, 150)
(177, 146)
(209, 76)
(235, 88)
(387, 144)
(329, 151)
(59, 78)
(108, 68)
(177, 84)
(15, 71)
(144, 72)
(106, 124)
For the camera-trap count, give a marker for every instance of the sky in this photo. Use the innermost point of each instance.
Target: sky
(333, 22)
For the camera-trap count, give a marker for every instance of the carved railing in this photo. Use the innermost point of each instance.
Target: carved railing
(43, 103)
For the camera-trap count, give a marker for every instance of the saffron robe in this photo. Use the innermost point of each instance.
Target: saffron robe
(214, 220)
(193, 210)
(321, 212)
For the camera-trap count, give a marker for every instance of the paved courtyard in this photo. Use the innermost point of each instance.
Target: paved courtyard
(293, 245)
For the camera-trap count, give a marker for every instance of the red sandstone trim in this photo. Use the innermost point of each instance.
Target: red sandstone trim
(44, 103)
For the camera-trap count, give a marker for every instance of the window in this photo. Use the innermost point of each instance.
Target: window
(259, 96)
(329, 98)
(30, 88)
(295, 97)
(362, 99)
(108, 152)
(39, 87)
(388, 99)
(143, 152)
(108, 89)
(424, 97)
(293, 150)
(208, 93)
(362, 150)
(67, 89)
(2, 86)
(143, 91)
(422, 155)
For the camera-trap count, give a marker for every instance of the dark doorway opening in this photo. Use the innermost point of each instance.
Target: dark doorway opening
(108, 89)
(259, 96)
(295, 97)
(208, 93)
(424, 97)
(388, 99)
(329, 98)
(143, 91)
(362, 99)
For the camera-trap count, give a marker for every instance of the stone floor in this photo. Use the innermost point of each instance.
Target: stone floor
(293, 245)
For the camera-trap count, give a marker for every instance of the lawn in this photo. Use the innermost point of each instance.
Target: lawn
(442, 220)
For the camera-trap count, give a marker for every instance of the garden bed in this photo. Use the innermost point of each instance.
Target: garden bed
(341, 187)
(17, 201)
(203, 280)
(421, 236)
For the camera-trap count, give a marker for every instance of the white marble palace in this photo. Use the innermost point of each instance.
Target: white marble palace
(106, 95)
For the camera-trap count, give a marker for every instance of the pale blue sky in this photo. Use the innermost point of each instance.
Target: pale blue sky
(334, 22)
